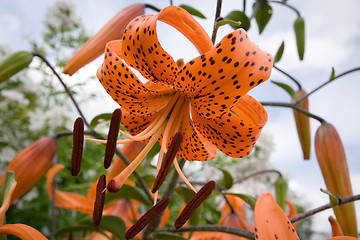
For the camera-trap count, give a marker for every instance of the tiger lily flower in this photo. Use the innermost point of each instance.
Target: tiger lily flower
(19, 230)
(40, 154)
(205, 99)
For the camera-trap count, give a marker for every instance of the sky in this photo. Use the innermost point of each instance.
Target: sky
(332, 40)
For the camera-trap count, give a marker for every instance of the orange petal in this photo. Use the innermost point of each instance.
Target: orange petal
(292, 211)
(125, 88)
(134, 123)
(67, 200)
(96, 45)
(216, 80)
(185, 23)
(236, 132)
(142, 50)
(271, 221)
(332, 161)
(238, 206)
(342, 238)
(22, 231)
(194, 146)
(335, 227)
(40, 154)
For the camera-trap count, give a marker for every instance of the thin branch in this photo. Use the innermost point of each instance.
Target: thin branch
(294, 106)
(326, 83)
(63, 84)
(152, 7)
(244, 6)
(212, 228)
(258, 173)
(289, 76)
(217, 16)
(287, 5)
(324, 207)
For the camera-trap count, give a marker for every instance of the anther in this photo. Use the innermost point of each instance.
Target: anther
(194, 203)
(112, 137)
(112, 186)
(78, 146)
(99, 200)
(166, 164)
(147, 218)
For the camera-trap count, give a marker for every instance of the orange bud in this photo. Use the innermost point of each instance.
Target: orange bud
(335, 227)
(332, 161)
(303, 124)
(95, 46)
(30, 164)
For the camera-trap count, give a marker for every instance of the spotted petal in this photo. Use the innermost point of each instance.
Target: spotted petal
(216, 80)
(125, 88)
(270, 220)
(235, 132)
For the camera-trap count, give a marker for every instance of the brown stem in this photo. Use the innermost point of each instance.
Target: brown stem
(258, 173)
(217, 15)
(287, 5)
(289, 76)
(294, 106)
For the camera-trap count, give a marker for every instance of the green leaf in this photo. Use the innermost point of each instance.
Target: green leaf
(99, 118)
(263, 15)
(247, 198)
(299, 28)
(5, 188)
(333, 199)
(128, 191)
(332, 76)
(14, 64)
(231, 22)
(109, 223)
(279, 52)
(153, 151)
(167, 236)
(185, 192)
(227, 181)
(286, 87)
(193, 11)
(238, 16)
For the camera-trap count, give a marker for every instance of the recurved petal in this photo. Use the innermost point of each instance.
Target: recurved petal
(271, 221)
(134, 123)
(185, 23)
(194, 146)
(22, 231)
(235, 132)
(125, 88)
(342, 238)
(142, 50)
(216, 80)
(67, 200)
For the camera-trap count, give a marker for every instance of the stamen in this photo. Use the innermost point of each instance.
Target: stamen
(182, 176)
(147, 218)
(166, 164)
(112, 137)
(78, 146)
(154, 126)
(122, 141)
(115, 184)
(194, 203)
(173, 117)
(99, 200)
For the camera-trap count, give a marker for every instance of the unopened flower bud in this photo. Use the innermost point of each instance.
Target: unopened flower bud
(95, 46)
(14, 64)
(332, 161)
(30, 164)
(303, 123)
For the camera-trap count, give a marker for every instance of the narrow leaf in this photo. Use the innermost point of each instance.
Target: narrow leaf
(332, 76)
(279, 52)
(128, 191)
(99, 118)
(193, 11)
(238, 16)
(227, 181)
(263, 15)
(286, 87)
(247, 198)
(333, 199)
(231, 22)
